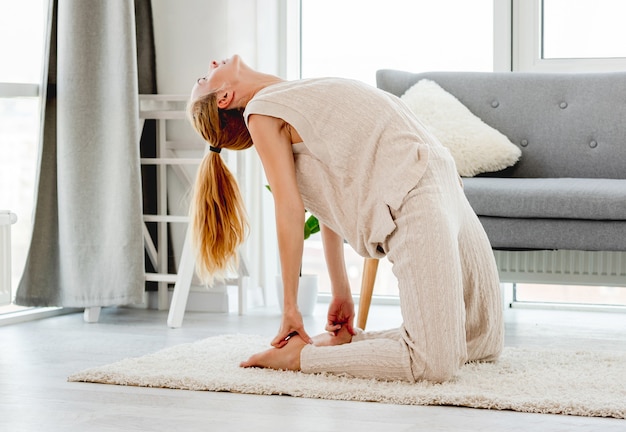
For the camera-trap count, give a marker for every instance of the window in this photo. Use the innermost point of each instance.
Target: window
(354, 38)
(583, 29)
(566, 35)
(22, 25)
(21, 40)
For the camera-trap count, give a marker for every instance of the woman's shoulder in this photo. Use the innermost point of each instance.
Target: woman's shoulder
(311, 84)
(296, 101)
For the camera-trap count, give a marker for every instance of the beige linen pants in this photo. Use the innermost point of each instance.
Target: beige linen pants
(449, 291)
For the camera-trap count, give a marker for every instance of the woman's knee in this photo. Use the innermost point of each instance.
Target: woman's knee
(440, 371)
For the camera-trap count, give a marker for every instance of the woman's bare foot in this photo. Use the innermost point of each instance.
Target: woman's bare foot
(328, 339)
(288, 357)
(285, 358)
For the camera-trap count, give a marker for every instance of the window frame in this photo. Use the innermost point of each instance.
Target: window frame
(11, 90)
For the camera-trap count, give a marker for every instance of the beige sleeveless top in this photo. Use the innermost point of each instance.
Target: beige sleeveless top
(362, 152)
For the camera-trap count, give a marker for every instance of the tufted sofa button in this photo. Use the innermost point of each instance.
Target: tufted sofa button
(495, 104)
(593, 144)
(563, 105)
(524, 143)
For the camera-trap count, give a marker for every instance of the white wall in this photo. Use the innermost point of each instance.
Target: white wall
(191, 33)
(188, 35)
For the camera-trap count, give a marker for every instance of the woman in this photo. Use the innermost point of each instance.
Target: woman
(358, 159)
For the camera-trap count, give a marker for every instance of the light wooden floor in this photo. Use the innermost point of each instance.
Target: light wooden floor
(36, 358)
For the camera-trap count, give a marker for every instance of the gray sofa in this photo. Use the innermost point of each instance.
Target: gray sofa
(568, 191)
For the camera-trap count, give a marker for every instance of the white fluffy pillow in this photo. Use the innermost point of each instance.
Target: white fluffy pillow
(475, 146)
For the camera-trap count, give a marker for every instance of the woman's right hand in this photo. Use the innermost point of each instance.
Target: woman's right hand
(291, 323)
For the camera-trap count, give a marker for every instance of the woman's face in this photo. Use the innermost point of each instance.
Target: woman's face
(221, 74)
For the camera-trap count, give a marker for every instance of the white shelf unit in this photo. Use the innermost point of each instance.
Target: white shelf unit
(163, 109)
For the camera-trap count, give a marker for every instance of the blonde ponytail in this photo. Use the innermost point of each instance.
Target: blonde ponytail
(218, 216)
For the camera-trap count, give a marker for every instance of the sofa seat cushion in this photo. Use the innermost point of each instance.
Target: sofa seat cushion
(553, 234)
(548, 198)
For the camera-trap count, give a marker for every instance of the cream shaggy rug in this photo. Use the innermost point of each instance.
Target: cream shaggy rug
(535, 380)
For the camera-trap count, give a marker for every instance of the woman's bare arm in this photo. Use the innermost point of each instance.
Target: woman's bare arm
(273, 144)
(341, 308)
(335, 261)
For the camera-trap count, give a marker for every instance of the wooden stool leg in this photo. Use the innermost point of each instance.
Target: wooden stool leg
(370, 267)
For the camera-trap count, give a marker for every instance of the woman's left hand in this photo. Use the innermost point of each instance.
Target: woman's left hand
(340, 314)
(291, 324)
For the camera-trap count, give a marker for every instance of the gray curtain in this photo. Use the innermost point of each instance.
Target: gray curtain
(87, 246)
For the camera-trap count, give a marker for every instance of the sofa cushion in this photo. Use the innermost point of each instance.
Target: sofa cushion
(560, 198)
(476, 147)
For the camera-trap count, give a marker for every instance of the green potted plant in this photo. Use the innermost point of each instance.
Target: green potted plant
(311, 226)
(307, 285)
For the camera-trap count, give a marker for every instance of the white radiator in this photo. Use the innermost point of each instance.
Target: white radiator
(562, 267)
(6, 220)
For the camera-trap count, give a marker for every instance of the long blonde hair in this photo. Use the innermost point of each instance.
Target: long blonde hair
(218, 216)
